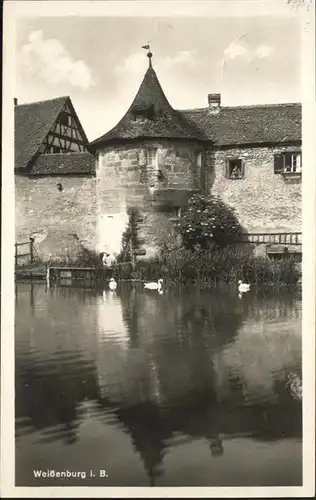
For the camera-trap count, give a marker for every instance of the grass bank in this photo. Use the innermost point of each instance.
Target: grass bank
(202, 268)
(208, 267)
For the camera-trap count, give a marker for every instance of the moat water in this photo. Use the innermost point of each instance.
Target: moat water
(184, 388)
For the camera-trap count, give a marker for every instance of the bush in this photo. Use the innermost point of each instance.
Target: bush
(206, 221)
(83, 258)
(122, 271)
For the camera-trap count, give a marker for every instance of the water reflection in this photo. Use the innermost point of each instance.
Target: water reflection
(183, 369)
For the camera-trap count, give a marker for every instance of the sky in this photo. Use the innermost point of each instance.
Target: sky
(99, 62)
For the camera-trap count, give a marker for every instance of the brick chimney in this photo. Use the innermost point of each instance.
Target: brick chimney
(214, 102)
(15, 101)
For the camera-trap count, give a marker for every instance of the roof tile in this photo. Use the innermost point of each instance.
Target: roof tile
(32, 123)
(63, 163)
(150, 115)
(237, 125)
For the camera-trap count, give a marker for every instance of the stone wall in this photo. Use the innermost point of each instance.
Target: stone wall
(60, 221)
(127, 178)
(263, 201)
(92, 211)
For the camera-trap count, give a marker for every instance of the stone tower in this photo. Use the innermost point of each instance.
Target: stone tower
(152, 161)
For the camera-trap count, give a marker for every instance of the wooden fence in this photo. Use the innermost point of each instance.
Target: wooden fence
(24, 252)
(273, 238)
(69, 274)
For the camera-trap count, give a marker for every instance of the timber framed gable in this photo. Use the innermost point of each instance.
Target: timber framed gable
(66, 134)
(50, 140)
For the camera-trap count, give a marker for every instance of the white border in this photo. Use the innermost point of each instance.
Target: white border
(12, 10)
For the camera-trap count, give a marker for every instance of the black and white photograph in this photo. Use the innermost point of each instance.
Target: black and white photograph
(160, 184)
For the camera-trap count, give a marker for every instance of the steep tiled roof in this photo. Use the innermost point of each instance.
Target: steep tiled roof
(32, 123)
(63, 163)
(150, 115)
(236, 125)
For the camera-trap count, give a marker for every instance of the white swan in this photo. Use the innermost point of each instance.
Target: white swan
(154, 285)
(112, 284)
(243, 287)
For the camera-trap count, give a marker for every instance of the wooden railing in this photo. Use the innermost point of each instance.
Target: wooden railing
(25, 249)
(69, 275)
(272, 238)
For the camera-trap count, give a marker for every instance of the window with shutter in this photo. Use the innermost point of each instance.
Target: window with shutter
(278, 163)
(288, 163)
(242, 168)
(226, 169)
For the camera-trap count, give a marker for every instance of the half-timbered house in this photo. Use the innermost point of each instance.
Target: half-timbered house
(46, 127)
(54, 177)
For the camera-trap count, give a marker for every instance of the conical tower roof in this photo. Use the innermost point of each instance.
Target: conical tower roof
(150, 116)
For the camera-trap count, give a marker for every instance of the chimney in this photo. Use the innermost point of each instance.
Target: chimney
(15, 101)
(214, 102)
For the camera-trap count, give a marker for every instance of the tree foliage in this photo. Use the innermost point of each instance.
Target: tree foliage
(208, 221)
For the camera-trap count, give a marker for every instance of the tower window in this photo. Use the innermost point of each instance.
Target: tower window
(143, 112)
(152, 157)
(138, 118)
(199, 159)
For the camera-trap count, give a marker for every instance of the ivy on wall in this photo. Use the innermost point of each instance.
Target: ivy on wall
(131, 244)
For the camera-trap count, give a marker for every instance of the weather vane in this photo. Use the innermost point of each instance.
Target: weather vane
(149, 54)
